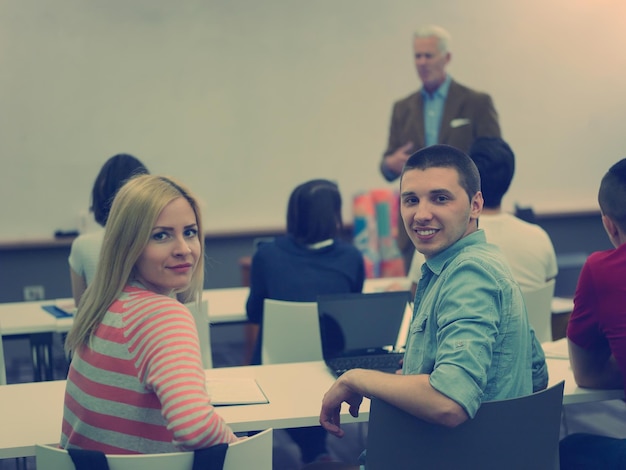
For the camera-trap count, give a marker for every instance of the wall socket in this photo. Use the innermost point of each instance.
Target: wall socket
(34, 293)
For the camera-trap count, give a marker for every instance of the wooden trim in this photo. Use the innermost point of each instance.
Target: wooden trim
(35, 243)
(566, 215)
(51, 242)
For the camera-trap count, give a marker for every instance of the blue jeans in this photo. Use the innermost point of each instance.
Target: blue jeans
(582, 451)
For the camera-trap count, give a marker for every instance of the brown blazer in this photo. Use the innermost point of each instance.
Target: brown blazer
(467, 114)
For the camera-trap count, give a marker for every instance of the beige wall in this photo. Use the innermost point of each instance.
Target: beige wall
(244, 99)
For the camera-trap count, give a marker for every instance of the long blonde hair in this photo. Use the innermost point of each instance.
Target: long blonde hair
(133, 214)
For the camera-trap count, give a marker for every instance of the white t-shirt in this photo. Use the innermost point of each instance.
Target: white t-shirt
(84, 254)
(527, 247)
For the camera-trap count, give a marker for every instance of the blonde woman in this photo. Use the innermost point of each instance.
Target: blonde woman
(136, 383)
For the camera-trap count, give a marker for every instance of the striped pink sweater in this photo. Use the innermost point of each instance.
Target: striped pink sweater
(139, 387)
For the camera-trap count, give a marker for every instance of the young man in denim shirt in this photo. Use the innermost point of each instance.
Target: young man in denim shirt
(469, 340)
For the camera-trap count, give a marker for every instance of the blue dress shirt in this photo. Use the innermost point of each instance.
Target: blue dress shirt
(433, 111)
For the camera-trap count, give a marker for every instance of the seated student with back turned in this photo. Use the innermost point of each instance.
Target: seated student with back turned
(527, 247)
(135, 345)
(469, 340)
(597, 327)
(86, 247)
(310, 260)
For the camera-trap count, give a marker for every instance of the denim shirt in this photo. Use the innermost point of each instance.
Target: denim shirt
(470, 330)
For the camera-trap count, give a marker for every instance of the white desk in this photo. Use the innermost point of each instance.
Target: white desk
(226, 305)
(29, 318)
(18, 318)
(32, 412)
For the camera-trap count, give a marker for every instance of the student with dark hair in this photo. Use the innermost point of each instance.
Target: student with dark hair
(311, 259)
(86, 247)
(470, 340)
(597, 326)
(527, 247)
(112, 176)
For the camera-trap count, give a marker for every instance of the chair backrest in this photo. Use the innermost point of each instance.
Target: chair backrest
(539, 307)
(291, 332)
(518, 433)
(201, 316)
(254, 452)
(3, 371)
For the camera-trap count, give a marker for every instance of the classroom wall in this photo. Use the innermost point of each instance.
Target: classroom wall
(574, 237)
(243, 99)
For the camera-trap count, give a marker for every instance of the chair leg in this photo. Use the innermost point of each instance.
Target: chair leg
(35, 360)
(41, 351)
(564, 421)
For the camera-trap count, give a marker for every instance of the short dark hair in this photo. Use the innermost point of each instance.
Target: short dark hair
(114, 173)
(496, 164)
(446, 156)
(314, 211)
(612, 194)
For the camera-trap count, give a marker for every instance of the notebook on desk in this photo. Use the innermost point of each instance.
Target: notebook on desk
(55, 311)
(235, 391)
(361, 330)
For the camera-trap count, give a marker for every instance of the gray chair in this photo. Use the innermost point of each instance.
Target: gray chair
(519, 433)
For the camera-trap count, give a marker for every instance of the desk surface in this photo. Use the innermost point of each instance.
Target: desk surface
(32, 412)
(17, 318)
(226, 305)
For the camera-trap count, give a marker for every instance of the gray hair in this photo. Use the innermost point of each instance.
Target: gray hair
(431, 30)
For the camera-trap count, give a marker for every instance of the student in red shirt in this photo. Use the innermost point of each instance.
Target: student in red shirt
(597, 327)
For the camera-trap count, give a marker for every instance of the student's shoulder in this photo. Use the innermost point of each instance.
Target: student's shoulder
(88, 239)
(140, 302)
(468, 92)
(481, 257)
(268, 248)
(599, 259)
(347, 247)
(407, 100)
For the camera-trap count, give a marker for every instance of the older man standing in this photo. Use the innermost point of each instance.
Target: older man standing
(442, 112)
